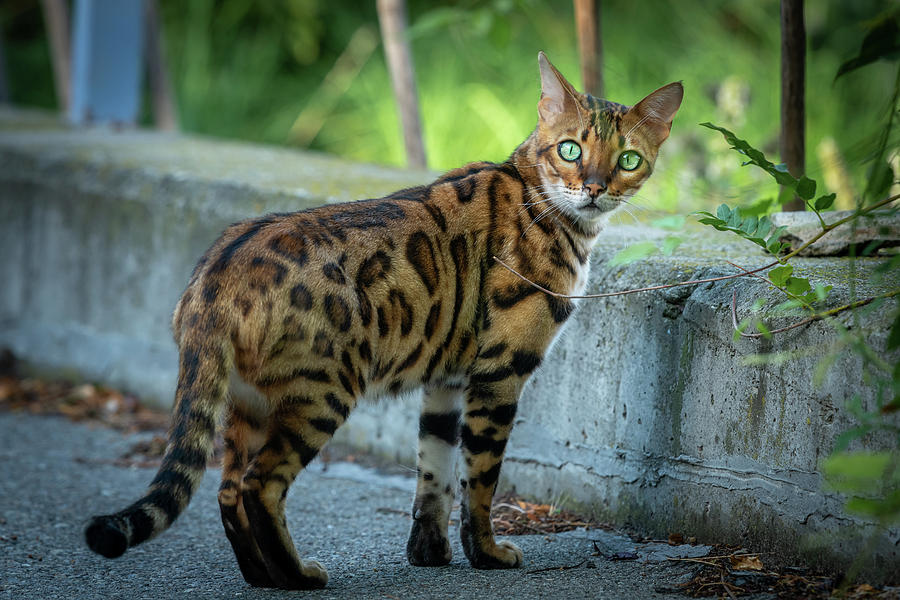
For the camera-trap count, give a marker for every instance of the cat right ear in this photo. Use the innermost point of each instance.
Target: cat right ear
(557, 94)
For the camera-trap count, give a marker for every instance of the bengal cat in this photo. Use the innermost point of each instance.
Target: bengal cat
(319, 308)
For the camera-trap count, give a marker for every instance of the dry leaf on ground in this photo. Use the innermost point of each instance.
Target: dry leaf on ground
(745, 562)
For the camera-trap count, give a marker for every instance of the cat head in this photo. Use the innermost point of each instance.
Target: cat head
(592, 154)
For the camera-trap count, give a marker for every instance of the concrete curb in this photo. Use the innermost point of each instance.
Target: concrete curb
(643, 412)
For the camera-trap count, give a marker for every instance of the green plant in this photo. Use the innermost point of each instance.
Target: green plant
(870, 479)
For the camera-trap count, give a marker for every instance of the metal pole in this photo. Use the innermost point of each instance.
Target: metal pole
(107, 61)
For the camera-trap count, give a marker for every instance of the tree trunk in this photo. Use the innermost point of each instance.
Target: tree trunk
(793, 81)
(56, 18)
(165, 113)
(590, 45)
(392, 18)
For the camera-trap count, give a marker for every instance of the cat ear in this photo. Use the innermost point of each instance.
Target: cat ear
(659, 108)
(557, 94)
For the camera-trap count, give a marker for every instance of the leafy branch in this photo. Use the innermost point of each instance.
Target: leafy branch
(808, 320)
(828, 228)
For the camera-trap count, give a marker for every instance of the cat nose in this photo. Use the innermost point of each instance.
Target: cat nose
(594, 186)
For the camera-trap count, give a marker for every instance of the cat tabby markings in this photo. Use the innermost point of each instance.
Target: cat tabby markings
(319, 308)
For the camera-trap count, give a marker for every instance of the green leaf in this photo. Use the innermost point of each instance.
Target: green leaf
(871, 247)
(775, 247)
(785, 194)
(741, 328)
(761, 327)
(881, 42)
(822, 291)
(763, 227)
(780, 275)
(480, 21)
(887, 508)
(893, 341)
(669, 244)
(756, 157)
(860, 471)
(672, 222)
(842, 441)
(777, 233)
(723, 212)
(500, 33)
(798, 285)
(787, 305)
(889, 267)
(734, 220)
(806, 188)
(633, 253)
(760, 207)
(823, 368)
(749, 225)
(825, 202)
(880, 179)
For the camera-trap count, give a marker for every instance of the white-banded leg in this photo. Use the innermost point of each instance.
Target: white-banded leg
(438, 435)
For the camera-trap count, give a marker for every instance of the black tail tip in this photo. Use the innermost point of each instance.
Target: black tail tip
(104, 537)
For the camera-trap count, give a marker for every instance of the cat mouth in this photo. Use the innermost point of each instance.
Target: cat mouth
(598, 205)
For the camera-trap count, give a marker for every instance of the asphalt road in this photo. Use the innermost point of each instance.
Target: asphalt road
(56, 474)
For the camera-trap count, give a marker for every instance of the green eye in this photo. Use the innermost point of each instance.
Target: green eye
(630, 160)
(569, 150)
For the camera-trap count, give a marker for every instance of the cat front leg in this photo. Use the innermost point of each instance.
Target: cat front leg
(428, 545)
(491, 398)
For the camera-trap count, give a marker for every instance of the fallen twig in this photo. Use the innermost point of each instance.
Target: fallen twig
(562, 568)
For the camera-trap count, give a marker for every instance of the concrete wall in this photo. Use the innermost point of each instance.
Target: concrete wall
(643, 412)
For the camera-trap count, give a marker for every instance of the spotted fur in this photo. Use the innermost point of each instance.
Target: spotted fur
(319, 308)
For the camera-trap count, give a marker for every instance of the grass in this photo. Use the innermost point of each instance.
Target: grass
(246, 70)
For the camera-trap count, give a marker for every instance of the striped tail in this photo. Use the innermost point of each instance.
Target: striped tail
(202, 385)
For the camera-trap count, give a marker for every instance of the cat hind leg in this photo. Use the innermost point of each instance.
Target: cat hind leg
(245, 433)
(299, 428)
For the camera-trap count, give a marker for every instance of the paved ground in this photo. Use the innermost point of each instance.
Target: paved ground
(56, 474)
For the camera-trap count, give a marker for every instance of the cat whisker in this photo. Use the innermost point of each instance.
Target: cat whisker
(645, 209)
(646, 206)
(641, 122)
(630, 214)
(543, 214)
(533, 221)
(527, 205)
(559, 198)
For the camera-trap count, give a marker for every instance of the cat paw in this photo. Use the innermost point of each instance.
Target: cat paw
(427, 545)
(314, 574)
(503, 555)
(310, 575)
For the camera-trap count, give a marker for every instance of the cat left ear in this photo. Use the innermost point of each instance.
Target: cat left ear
(659, 108)
(557, 94)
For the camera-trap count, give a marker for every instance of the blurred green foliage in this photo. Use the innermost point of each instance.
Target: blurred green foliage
(247, 69)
